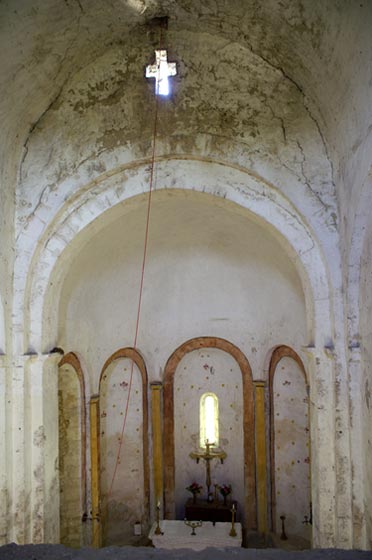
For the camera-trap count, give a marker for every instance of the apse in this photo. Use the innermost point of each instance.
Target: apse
(215, 275)
(210, 270)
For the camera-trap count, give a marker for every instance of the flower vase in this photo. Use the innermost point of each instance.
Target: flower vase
(194, 497)
(225, 500)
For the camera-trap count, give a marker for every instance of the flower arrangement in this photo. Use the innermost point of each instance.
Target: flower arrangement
(194, 488)
(225, 490)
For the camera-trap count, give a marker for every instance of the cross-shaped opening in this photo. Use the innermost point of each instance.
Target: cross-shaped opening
(161, 71)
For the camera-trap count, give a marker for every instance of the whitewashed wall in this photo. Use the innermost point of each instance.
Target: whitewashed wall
(122, 476)
(2, 327)
(70, 457)
(362, 386)
(291, 448)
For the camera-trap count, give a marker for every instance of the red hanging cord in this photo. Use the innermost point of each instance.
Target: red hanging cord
(147, 228)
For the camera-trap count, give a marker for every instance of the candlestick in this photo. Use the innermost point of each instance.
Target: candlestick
(283, 536)
(158, 531)
(233, 511)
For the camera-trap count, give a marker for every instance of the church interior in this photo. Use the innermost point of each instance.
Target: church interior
(186, 272)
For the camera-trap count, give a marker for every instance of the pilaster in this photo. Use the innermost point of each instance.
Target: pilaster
(323, 452)
(3, 452)
(261, 459)
(41, 384)
(18, 500)
(29, 440)
(357, 448)
(95, 470)
(157, 441)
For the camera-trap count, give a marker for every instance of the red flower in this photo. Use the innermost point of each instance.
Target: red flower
(194, 488)
(225, 489)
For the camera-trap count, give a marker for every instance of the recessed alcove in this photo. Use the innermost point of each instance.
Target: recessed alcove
(211, 269)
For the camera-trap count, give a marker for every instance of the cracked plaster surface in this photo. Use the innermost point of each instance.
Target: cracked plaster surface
(319, 51)
(108, 107)
(306, 44)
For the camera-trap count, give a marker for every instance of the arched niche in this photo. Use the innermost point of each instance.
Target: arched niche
(72, 450)
(124, 476)
(249, 501)
(290, 452)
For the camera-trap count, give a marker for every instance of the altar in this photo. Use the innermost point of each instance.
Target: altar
(175, 534)
(209, 511)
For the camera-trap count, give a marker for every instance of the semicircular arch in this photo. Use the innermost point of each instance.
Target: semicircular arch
(134, 355)
(263, 202)
(248, 422)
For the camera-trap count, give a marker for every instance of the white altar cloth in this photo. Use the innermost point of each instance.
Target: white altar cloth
(178, 535)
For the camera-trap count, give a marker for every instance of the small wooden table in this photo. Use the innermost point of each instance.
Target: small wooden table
(209, 511)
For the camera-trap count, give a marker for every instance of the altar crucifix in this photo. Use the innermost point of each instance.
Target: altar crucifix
(208, 455)
(161, 71)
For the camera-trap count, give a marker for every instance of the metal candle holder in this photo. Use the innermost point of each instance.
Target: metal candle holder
(232, 531)
(283, 536)
(208, 455)
(193, 525)
(158, 531)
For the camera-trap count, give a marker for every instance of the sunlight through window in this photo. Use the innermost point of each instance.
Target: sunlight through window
(209, 419)
(161, 71)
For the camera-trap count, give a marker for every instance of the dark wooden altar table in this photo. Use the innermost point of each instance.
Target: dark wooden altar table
(209, 511)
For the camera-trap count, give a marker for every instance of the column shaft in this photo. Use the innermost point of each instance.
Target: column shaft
(3, 453)
(156, 389)
(261, 461)
(95, 470)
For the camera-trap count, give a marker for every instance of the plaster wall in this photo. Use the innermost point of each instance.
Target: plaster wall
(323, 49)
(4, 480)
(2, 328)
(291, 448)
(209, 271)
(362, 389)
(279, 88)
(70, 454)
(102, 119)
(50, 462)
(205, 371)
(8, 179)
(122, 474)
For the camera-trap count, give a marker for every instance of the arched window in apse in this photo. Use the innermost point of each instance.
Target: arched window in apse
(209, 419)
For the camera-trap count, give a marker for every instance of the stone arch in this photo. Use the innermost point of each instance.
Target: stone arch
(248, 422)
(117, 190)
(72, 359)
(258, 197)
(135, 356)
(278, 353)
